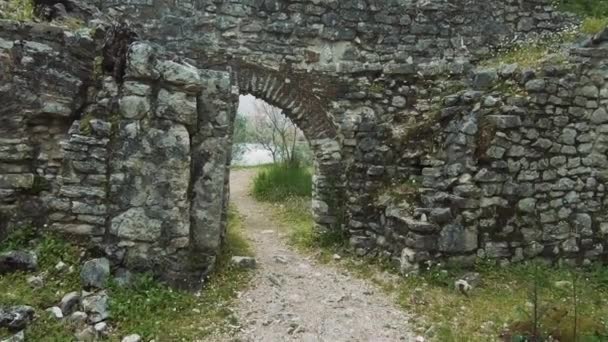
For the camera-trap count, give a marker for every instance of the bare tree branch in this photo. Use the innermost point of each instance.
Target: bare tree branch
(275, 132)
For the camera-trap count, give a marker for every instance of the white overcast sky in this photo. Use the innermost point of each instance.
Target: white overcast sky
(247, 105)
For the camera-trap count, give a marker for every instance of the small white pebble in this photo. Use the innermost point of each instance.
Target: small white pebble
(132, 338)
(60, 266)
(55, 312)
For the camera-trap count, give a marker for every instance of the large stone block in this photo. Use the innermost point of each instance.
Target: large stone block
(177, 106)
(455, 238)
(134, 107)
(135, 224)
(185, 76)
(17, 181)
(140, 63)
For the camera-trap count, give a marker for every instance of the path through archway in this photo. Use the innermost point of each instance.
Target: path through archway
(310, 115)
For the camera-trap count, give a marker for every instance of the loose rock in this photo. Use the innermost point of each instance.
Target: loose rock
(16, 318)
(95, 273)
(87, 334)
(101, 328)
(243, 262)
(77, 319)
(96, 306)
(123, 277)
(69, 303)
(14, 261)
(55, 312)
(132, 338)
(35, 281)
(18, 337)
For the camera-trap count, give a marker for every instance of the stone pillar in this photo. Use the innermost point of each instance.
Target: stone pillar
(150, 168)
(211, 148)
(328, 185)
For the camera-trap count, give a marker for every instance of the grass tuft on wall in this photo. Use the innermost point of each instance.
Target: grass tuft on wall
(22, 10)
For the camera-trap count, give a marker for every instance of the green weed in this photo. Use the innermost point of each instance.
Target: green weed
(276, 183)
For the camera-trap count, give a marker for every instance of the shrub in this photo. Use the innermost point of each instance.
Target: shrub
(279, 182)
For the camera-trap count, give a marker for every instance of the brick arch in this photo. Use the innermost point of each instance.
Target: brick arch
(294, 95)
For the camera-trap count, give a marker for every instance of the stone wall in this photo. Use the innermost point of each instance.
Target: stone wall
(419, 155)
(509, 168)
(335, 36)
(308, 58)
(37, 109)
(135, 165)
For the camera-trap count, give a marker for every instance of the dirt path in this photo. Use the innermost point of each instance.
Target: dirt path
(295, 299)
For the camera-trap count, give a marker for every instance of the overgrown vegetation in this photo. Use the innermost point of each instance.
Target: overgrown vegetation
(85, 124)
(594, 24)
(585, 8)
(22, 10)
(534, 52)
(501, 308)
(146, 307)
(594, 18)
(278, 182)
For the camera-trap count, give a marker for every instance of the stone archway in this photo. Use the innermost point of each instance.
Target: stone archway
(310, 114)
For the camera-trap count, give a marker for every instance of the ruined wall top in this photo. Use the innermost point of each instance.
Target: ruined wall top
(336, 36)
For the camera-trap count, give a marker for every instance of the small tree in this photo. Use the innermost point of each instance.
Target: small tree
(276, 133)
(242, 136)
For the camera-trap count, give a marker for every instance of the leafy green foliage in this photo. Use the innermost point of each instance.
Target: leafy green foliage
(278, 182)
(22, 10)
(18, 239)
(242, 135)
(242, 130)
(85, 124)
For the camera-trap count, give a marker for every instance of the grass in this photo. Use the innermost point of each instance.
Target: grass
(250, 167)
(278, 182)
(50, 250)
(534, 52)
(502, 302)
(147, 307)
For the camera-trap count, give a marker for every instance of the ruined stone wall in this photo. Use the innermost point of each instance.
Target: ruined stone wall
(321, 50)
(418, 156)
(36, 110)
(509, 168)
(335, 36)
(134, 165)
